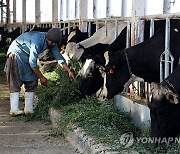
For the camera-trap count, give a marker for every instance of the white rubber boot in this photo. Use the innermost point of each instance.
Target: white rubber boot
(14, 103)
(29, 101)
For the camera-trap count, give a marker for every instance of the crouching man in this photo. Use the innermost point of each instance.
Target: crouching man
(22, 69)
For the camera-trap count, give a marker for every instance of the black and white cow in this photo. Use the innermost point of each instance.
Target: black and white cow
(96, 53)
(92, 79)
(165, 106)
(77, 36)
(142, 60)
(75, 51)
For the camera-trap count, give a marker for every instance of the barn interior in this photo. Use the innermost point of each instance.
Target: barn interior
(20, 16)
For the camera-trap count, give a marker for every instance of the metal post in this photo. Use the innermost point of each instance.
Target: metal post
(169, 59)
(64, 29)
(105, 23)
(97, 25)
(151, 27)
(89, 29)
(128, 34)
(167, 47)
(37, 12)
(69, 24)
(54, 10)
(116, 29)
(8, 12)
(23, 15)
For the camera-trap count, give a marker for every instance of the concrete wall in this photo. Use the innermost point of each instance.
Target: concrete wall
(140, 114)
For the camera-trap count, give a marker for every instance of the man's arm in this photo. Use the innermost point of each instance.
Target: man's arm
(43, 80)
(71, 74)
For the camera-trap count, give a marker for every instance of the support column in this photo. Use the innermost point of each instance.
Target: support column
(77, 5)
(54, 10)
(83, 15)
(14, 11)
(7, 12)
(37, 12)
(64, 8)
(137, 33)
(2, 21)
(90, 9)
(138, 9)
(61, 10)
(168, 6)
(99, 9)
(126, 8)
(23, 15)
(71, 9)
(114, 8)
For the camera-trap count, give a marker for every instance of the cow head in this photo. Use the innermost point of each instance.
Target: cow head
(73, 33)
(73, 51)
(117, 73)
(163, 91)
(164, 114)
(91, 78)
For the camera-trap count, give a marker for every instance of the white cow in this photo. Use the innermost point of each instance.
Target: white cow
(74, 51)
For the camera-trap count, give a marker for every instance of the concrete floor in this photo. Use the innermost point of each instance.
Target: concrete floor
(20, 137)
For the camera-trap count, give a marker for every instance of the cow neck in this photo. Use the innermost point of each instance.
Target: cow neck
(170, 85)
(127, 61)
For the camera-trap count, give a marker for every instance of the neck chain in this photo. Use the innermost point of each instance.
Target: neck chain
(127, 60)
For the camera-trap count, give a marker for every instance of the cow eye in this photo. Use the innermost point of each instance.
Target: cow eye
(110, 70)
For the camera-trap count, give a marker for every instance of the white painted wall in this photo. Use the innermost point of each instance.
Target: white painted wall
(19, 10)
(114, 8)
(90, 9)
(100, 9)
(154, 7)
(126, 8)
(46, 10)
(70, 9)
(77, 9)
(11, 10)
(30, 10)
(171, 6)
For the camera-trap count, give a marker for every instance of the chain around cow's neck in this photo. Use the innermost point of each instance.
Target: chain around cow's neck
(129, 68)
(127, 60)
(170, 85)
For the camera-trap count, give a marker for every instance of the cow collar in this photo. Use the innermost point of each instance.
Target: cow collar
(127, 60)
(170, 85)
(129, 68)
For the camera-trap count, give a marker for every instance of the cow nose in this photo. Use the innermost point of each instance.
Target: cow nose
(104, 98)
(109, 96)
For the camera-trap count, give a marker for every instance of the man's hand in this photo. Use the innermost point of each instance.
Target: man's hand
(43, 81)
(71, 75)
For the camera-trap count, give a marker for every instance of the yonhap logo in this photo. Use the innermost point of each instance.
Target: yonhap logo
(127, 139)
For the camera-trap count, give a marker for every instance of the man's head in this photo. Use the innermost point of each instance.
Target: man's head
(54, 36)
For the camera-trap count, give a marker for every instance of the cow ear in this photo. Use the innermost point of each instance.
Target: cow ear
(172, 97)
(156, 90)
(154, 86)
(106, 55)
(79, 46)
